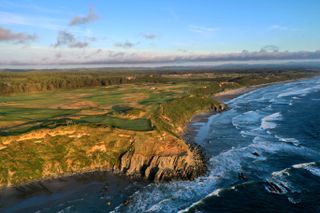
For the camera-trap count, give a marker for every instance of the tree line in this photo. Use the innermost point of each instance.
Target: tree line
(26, 82)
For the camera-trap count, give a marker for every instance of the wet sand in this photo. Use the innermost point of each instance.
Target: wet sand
(233, 93)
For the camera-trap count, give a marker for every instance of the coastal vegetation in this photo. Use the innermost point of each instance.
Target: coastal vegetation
(55, 123)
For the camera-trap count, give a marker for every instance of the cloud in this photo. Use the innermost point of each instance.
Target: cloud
(95, 53)
(79, 20)
(73, 56)
(58, 55)
(67, 39)
(120, 57)
(270, 48)
(277, 27)
(125, 58)
(79, 44)
(182, 50)
(126, 44)
(202, 30)
(150, 36)
(7, 35)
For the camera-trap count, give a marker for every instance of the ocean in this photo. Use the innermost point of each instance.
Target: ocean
(263, 156)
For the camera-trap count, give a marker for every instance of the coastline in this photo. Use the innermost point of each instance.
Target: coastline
(191, 130)
(58, 183)
(188, 136)
(226, 95)
(79, 182)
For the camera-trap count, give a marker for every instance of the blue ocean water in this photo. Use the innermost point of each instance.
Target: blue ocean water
(263, 156)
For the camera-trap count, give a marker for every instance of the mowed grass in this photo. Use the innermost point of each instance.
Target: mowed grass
(140, 124)
(31, 114)
(53, 109)
(158, 98)
(129, 107)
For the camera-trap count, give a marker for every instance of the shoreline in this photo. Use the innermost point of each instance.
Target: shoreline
(188, 136)
(191, 130)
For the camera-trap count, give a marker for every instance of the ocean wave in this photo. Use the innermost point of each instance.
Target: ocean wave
(295, 92)
(246, 119)
(312, 167)
(294, 200)
(276, 187)
(281, 178)
(284, 172)
(292, 141)
(215, 193)
(267, 121)
(279, 182)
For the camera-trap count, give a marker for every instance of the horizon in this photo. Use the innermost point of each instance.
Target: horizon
(176, 33)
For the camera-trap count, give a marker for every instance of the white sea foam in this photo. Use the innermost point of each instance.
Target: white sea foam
(314, 170)
(293, 141)
(266, 145)
(312, 167)
(282, 172)
(295, 92)
(267, 122)
(215, 193)
(282, 180)
(303, 165)
(293, 200)
(246, 119)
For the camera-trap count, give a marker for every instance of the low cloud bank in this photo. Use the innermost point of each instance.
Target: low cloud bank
(105, 56)
(242, 56)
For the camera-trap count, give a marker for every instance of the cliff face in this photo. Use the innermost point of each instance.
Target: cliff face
(74, 149)
(162, 166)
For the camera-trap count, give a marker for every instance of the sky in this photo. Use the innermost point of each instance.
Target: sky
(35, 32)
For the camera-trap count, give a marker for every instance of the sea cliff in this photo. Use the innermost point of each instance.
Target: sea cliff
(157, 155)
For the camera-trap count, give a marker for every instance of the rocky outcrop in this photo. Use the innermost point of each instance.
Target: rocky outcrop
(187, 165)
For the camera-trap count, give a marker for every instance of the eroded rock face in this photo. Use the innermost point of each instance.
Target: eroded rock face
(185, 165)
(155, 156)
